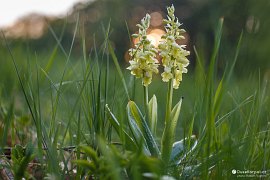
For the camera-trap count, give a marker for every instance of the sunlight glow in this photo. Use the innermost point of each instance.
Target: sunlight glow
(155, 36)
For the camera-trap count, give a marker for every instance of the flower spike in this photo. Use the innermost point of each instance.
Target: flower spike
(173, 55)
(143, 61)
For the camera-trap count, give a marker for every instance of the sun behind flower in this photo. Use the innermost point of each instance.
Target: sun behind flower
(143, 61)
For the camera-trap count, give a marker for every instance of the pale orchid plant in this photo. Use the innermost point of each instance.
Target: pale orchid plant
(143, 64)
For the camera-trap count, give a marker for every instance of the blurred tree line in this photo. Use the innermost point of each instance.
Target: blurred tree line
(199, 18)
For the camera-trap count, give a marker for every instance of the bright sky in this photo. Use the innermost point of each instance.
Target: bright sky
(11, 10)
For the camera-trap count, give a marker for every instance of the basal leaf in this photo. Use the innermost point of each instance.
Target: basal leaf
(136, 119)
(180, 149)
(153, 110)
(169, 132)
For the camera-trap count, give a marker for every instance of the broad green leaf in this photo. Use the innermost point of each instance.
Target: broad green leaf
(180, 149)
(177, 149)
(135, 114)
(138, 135)
(175, 114)
(152, 108)
(169, 132)
(136, 120)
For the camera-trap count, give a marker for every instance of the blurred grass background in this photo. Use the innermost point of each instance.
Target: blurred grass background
(199, 18)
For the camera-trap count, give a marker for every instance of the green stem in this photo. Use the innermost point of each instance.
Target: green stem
(169, 101)
(166, 141)
(145, 90)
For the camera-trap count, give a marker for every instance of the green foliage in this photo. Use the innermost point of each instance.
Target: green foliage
(125, 138)
(153, 114)
(114, 164)
(182, 148)
(169, 132)
(140, 127)
(21, 157)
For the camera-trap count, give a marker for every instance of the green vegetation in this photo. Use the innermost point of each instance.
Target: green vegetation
(66, 117)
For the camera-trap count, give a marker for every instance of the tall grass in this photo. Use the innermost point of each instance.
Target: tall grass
(80, 127)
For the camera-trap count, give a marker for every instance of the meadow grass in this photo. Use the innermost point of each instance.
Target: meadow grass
(70, 120)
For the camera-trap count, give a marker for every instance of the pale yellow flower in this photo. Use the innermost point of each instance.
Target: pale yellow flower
(173, 55)
(143, 63)
(167, 75)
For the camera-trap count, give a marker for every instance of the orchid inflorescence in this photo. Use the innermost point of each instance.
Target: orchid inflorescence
(173, 55)
(144, 61)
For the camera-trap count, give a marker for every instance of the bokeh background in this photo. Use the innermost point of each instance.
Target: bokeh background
(34, 38)
(199, 18)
